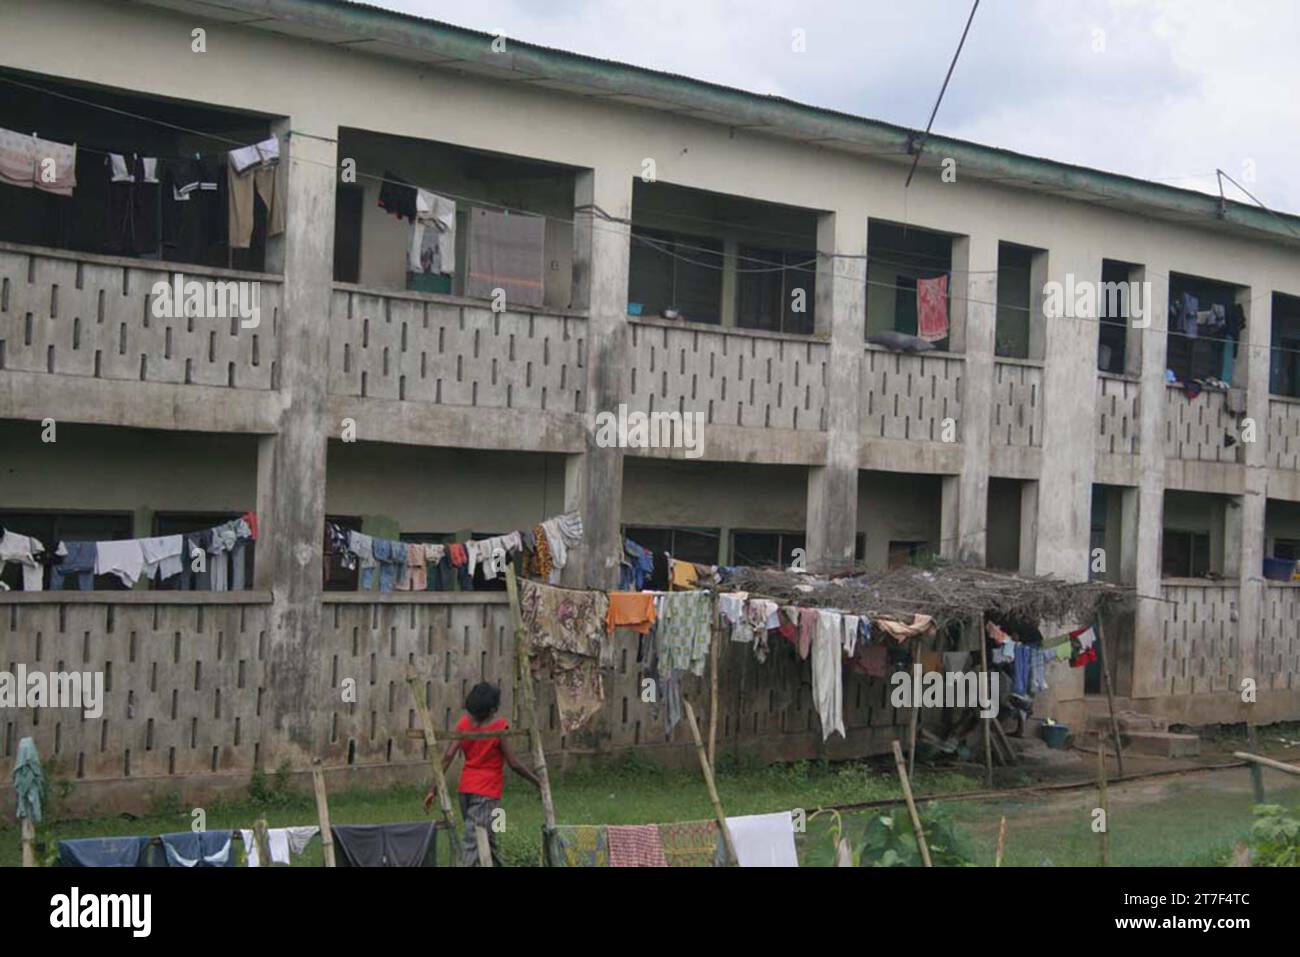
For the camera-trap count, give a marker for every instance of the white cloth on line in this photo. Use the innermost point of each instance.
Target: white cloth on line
(828, 671)
(764, 840)
(433, 234)
(125, 559)
(162, 556)
(246, 157)
(281, 841)
(23, 549)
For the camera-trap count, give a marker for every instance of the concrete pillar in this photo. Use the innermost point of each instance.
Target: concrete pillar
(1030, 535)
(1147, 639)
(949, 516)
(1128, 536)
(594, 478)
(974, 306)
(1069, 342)
(291, 463)
(841, 314)
(730, 281)
(1250, 609)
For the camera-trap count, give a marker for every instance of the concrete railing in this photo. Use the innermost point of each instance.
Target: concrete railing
(1195, 428)
(908, 396)
(1017, 403)
(1199, 636)
(458, 352)
(732, 377)
(1278, 648)
(183, 679)
(1117, 414)
(78, 314)
(1283, 433)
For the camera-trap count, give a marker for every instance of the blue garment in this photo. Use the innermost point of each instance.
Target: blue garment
(1038, 669)
(1021, 668)
(29, 780)
(1191, 305)
(104, 852)
(78, 563)
(641, 565)
(391, 557)
(198, 849)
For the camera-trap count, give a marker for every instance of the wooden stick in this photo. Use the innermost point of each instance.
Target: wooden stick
(915, 718)
(29, 842)
(1002, 842)
(1000, 735)
(525, 674)
(911, 805)
(484, 846)
(1110, 700)
(1267, 762)
(714, 642)
(709, 784)
(469, 735)
(262, 841)
(988, 736)
(323, 814)
(1105, 808)
(1256, 772)
(435, 757)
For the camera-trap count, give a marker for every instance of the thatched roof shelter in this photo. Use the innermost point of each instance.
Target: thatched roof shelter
(946, 591)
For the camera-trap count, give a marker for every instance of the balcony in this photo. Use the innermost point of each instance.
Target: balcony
(1199, 640)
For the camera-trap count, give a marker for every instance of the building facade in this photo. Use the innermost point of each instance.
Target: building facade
(782, 235)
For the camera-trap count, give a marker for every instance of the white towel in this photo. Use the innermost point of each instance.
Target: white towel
(125, 559)
(764, 840)
(828, 671)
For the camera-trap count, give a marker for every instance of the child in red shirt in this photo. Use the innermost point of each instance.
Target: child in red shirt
(482, 777)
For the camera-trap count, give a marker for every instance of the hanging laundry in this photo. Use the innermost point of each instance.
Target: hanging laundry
(386, 845)
(873, 661)
(134, 204)
(827, 671)
(684, 574)
(685, 630)
(764, 840)
(108, 852)
(642, 564)
(565, 630)
(932, 308)
(254, 171)
(433, 234)
(193, 208)
(31, 162)
(76, 561)
(124, 558)
(416, 577)
(281, 842)
(577, 845)
(26, 552)
(199, 849)
(17, 159)
(397, 196)
(28, 780)
(632, 610)
(162, 557)
(919, 626)
(807, 630)
(692, 844)
(635, 845)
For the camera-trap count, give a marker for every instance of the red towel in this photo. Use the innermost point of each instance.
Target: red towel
(635, 845)
(932, 308)
(457, 552)
(251, 519)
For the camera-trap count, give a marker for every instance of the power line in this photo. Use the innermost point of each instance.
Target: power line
(951, 66)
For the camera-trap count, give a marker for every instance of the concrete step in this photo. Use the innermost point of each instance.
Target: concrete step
(1099, 720)
(1163, 744)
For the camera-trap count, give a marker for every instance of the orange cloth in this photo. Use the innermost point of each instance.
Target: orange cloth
(631, 609)
(684, 574)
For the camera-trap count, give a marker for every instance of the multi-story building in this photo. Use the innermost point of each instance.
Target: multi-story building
(780, 236)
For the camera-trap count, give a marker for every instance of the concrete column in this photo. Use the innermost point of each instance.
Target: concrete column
(594, 478)
(949, 515)
(291, 463)
(1069, 342)
(1151, 488)
(1030, 535)
(1129, 522)
(974, 306)
(1250, 610)
(841, 313)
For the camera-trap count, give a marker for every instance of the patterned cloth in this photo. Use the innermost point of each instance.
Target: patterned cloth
(685, 630)
(540, 564)
(932, 308)
(565, 630)
(579, 845)
(691, 843)
(635, 845)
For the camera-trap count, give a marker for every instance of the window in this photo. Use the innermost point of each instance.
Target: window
(1287, 549)
(1113, 317)
(53, 527)
(777, 290)
(1015, 301)
(1284, 358)
(699, 545)
(675, 271)
(907, 553)
(765, 548)
(1185, 554)
(1204, 324)
(179, 523)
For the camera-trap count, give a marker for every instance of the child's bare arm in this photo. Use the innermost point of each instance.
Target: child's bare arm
(517, 766)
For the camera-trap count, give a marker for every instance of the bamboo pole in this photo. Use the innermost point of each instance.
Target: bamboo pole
(709, 783)
(1110, 700)
(323, 814)
(29, 842)
(1256, 772)
(714, 642)
(262, 841)
(988, 735)
(1002, 842)
(1105, 808)
(911, 804)
(525, 676)
(1267, 762)
(915, 719)
(435, 758)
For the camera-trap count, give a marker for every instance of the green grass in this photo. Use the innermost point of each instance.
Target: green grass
(1189, 823)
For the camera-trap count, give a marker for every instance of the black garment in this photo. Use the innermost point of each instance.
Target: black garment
(387, 845)
(1236, 320)
(397, 196)
(134, 211)
(193, 208)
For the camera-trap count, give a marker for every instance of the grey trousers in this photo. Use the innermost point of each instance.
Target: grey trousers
(477, 812)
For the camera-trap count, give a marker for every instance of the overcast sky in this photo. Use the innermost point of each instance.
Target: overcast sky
(1167, 90)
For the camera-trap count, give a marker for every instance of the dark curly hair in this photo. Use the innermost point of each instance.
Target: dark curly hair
(482, 700)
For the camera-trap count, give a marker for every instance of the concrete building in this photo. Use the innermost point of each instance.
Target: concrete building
(1025, 441)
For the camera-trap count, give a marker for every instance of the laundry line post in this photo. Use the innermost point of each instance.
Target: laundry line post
(435, 758)
(1110, 699)
(323, 813)
(917, 829)
(714, 640)
(524, 682)
(707, 769)
(988, 734)
(29, 842)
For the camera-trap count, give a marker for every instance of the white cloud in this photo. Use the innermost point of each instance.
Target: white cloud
(1182, 87)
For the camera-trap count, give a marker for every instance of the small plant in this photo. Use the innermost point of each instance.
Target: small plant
(271, 791)
(1275, 836)
(889, 841)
